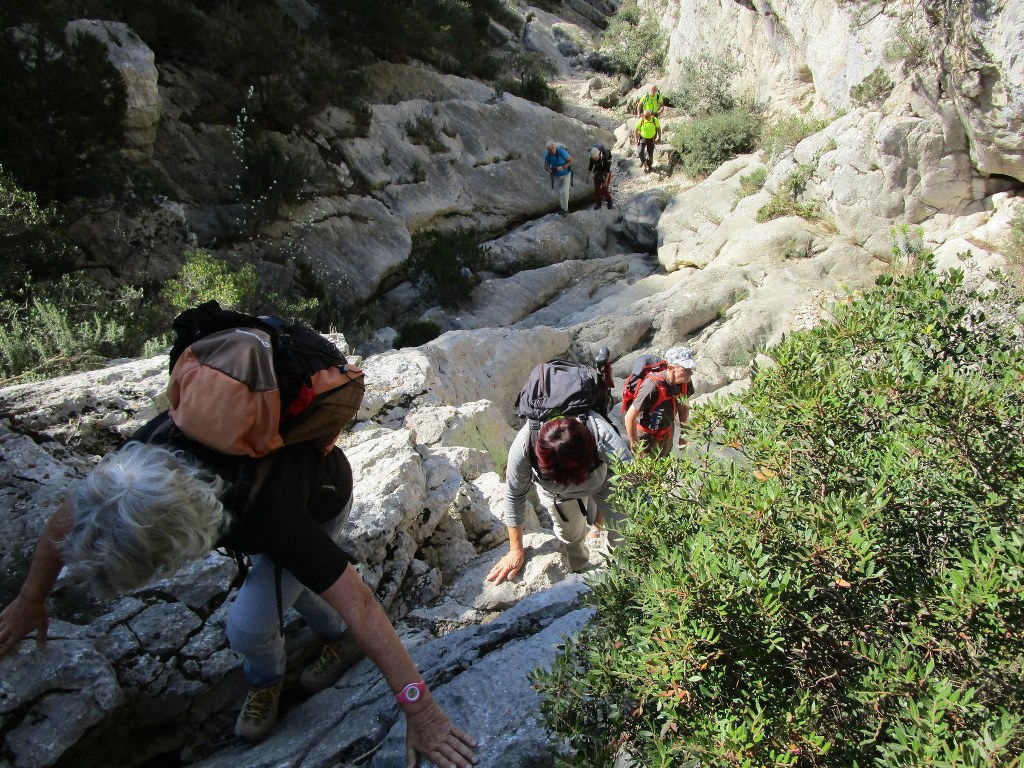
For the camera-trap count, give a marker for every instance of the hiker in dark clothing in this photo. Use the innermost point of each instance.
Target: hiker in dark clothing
(601, 167)
(146, 510)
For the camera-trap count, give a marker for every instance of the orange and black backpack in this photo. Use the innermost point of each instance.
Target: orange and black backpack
(247, 386)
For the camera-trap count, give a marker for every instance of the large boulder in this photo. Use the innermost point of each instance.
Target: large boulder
(137, 65)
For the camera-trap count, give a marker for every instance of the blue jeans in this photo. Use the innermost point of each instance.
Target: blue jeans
(252, 626)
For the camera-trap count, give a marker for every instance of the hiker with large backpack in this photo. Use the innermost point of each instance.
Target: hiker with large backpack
(601, 167)
(558, 164)
(654, 399)
(169, 495)
(567, 450)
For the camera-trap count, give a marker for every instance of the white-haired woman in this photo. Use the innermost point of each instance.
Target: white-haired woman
(145, 511)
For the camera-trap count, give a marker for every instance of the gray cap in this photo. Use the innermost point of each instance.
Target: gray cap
(681, 356)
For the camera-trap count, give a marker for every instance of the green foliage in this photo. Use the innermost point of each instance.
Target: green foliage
(448, 35)
(443, 265)
(909, 45)
(833, 575)
(526, 74)
(704, 143)
(67, 326)
(423, 130)
(413, 333)
(62, 107)
(706, 86)
(753, 182)
(203, 278)
(787, 131)
(786, 202)
(635, 42)
(273, 173)
(873, 89)
(32, 244)
(1014, 246)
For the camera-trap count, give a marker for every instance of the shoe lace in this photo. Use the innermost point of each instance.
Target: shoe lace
(327, 658)
(258, 702)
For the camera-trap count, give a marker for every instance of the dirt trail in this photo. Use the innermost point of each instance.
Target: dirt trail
(628, 178)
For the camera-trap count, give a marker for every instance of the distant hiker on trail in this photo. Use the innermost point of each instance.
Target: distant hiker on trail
(646, 134)
(601, 168)
(659, 401)
(558, 164)
(653, 102)
(572, 474)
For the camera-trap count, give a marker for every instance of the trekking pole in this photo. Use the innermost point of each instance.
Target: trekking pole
(601, 360)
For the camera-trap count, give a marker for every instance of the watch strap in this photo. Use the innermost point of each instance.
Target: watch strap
(412, 692)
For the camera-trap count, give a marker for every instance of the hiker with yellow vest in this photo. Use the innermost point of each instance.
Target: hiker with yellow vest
(647, 133)
(652, 101)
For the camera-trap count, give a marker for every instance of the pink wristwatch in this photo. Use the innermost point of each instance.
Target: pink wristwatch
(412, 692)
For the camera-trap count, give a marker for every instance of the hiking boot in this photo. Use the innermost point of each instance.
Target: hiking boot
(259, 712)
(597, 206)
(334, 659)
(610, 206)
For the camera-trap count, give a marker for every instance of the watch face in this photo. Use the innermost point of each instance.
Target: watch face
(412, 693)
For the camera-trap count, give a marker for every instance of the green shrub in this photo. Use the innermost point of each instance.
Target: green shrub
(786, 202)
(635, 42)
(1014, 246)
(833, 575)
(787, 131)
(706, 86)
(753, 182)
(526, 74)
(873, 89)
(204, 278)
(443, 265)
(909, 45)
(69, 325)
(413, 333)
(423, 130)
(33, 247)
(704, 143)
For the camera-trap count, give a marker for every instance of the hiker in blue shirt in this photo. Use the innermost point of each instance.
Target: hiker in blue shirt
(558, 164)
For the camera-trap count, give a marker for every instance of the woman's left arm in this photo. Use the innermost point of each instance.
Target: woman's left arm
(430, 732)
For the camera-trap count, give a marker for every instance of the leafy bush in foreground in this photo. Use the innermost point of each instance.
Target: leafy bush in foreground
(837, 579)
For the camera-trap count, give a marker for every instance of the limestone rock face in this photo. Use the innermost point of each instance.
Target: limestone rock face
(984, 72)
(137, 65)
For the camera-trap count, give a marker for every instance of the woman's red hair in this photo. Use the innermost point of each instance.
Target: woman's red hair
(566, 451)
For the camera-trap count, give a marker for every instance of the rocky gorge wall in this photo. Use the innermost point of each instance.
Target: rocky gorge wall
(149, 678)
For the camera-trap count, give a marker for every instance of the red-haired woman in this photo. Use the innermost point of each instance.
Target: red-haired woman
(570, 465)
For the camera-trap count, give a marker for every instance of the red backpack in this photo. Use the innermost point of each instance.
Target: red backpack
(643, 366)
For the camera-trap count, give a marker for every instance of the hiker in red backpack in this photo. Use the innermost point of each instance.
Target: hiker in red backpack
(147, 509)
(659, 402)
(571, 469)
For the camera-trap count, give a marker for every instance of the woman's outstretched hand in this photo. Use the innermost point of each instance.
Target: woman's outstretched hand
(430, 734)
(507, 568)
(20, 618)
